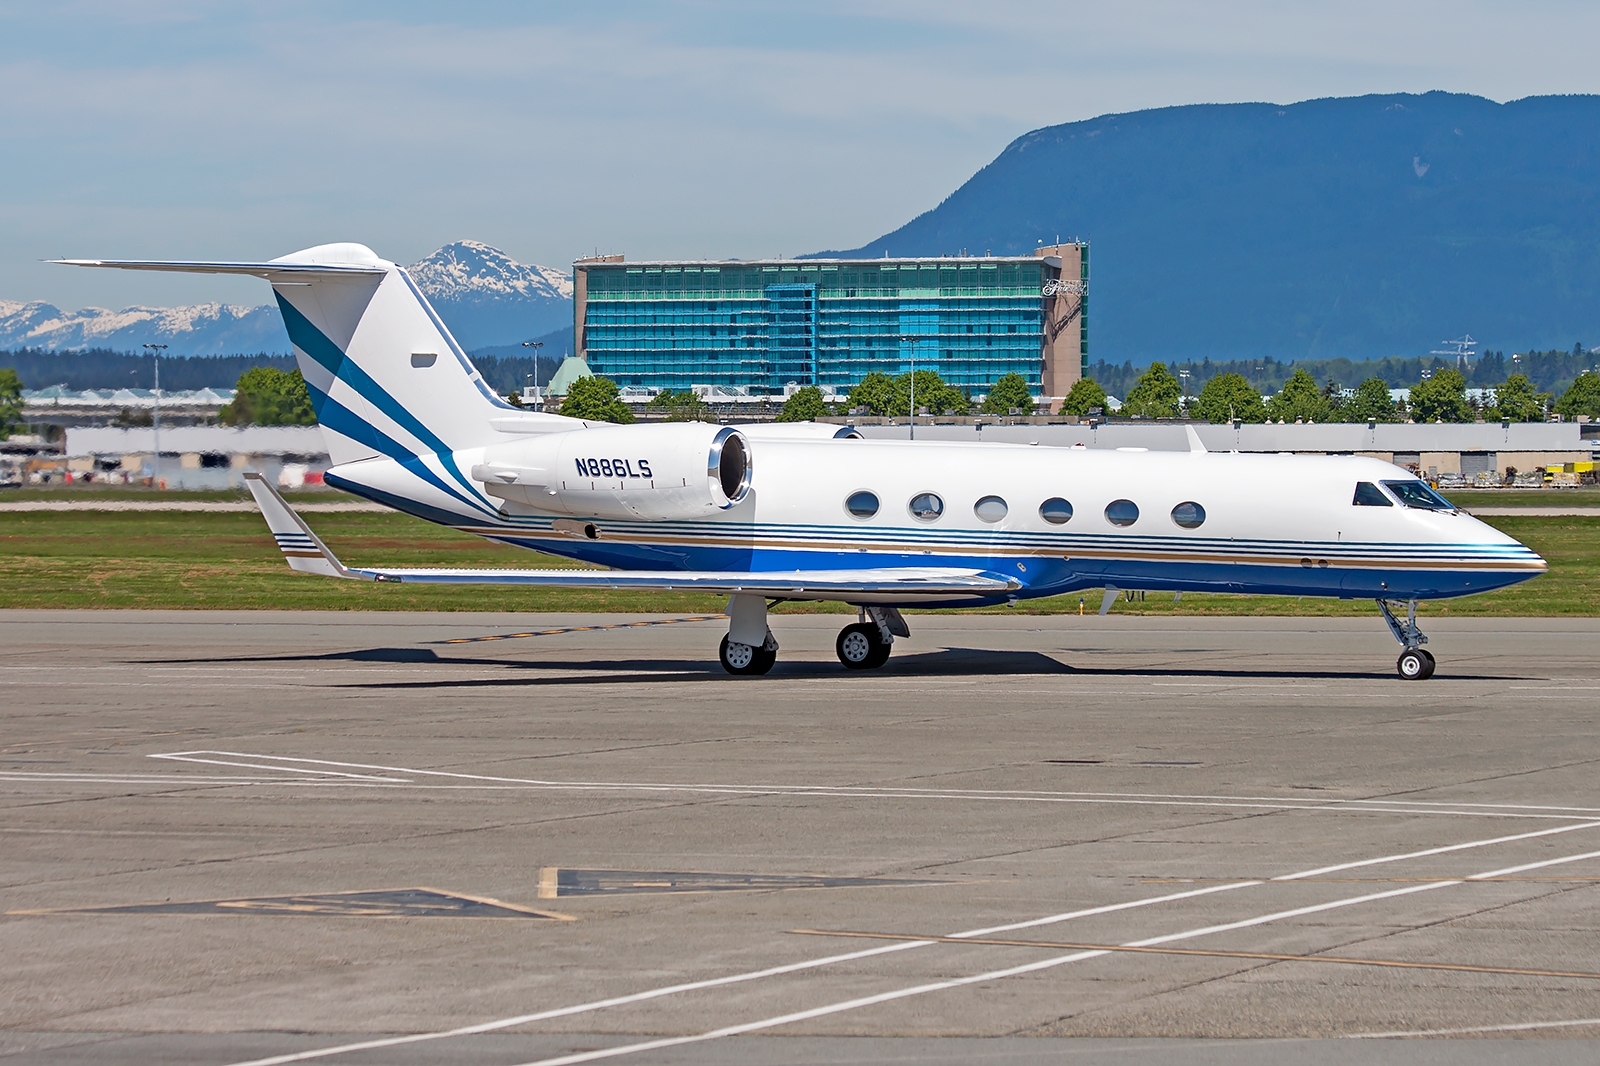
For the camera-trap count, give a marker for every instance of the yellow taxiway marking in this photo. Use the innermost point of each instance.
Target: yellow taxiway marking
(1261, 956)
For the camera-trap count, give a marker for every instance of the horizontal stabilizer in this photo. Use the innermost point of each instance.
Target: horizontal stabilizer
(255, 270)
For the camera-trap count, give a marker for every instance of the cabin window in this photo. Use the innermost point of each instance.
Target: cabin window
(862, 504)
(1056, 511)
(1189, 515)
(1369, 495)
(1122, 512)
(926, 506)
(990, 508)
(1418, 494)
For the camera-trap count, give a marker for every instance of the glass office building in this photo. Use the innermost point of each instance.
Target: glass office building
(769, 324)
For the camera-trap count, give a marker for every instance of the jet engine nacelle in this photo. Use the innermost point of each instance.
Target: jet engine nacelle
(671, 471)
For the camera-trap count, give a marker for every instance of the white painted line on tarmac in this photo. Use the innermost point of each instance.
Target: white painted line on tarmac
(656, 993)
(1438, 851)
(1509, 870)
(1517, 1028)
(288, 769)
(693, 986)
(881, 791)
(995, 975)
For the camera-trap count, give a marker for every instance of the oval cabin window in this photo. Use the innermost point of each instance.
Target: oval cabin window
(1122, 512)
(862, 504)
(1056, 511)
(990, 508)
(1189, 515)
(926, 506)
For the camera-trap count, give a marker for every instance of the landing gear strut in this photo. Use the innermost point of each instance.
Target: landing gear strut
(865, 645)
(748, 649)
(1415, 663)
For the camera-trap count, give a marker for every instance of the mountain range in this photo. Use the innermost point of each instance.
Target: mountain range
(1357, 227)
(484, 296)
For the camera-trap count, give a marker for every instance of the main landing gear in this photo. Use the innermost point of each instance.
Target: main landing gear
(865, 645)
(750, 650)
(746, 658)
(1415, 663)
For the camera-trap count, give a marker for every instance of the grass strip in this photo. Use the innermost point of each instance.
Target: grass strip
(101, 559)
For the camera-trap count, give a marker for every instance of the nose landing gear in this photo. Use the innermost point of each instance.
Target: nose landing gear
(1415, 663)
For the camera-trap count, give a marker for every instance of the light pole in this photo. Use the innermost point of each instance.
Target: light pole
(913, 412)
(535, 345)
(156, 350)
(1184, 374)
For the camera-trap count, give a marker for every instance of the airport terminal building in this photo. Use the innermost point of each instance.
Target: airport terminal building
(769, 324)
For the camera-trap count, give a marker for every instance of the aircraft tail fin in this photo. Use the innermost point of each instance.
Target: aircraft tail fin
(386, 377)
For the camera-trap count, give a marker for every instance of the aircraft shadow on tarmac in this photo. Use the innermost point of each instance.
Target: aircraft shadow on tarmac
(950, 662)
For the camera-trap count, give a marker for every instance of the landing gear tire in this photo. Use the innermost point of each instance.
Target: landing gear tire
(744, 660)
(861, 647)
(1415, 664)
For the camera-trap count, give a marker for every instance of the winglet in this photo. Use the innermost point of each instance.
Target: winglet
(302, 548)
(1194, 440)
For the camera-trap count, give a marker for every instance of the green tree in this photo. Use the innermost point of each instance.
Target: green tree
(1516, 401)
(1582, 396)
(875, 392)
(1371, 403)
(1441, 398)
(514, 398)
(806, 405)
(595, 399)
(1084, 395)
(1299, 399)
(933, 394)
(1157, 394)
(1010, 391)
(1229, 396)
(10, 402)
(681, 406)
(267, 396)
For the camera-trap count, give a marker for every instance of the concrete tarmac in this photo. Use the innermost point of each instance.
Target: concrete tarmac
(319, 837)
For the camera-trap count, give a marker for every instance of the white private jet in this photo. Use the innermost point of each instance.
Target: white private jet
(812, 512)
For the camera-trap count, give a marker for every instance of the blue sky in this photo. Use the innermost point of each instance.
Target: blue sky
(248, 129)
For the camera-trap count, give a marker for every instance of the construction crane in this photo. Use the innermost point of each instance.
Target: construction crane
(1463, 348)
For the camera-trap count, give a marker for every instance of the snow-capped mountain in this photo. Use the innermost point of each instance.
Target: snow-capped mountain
(486, 297)
(483, 295)
(204, 329)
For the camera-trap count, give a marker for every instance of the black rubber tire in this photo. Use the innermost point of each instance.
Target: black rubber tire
(1414, 664)
(860, 648)
(745, 660)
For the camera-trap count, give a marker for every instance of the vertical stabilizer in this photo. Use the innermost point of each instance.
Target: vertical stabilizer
(385, 375)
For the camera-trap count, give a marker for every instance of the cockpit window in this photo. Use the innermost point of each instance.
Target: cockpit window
(1418, 494)
(1369, 495)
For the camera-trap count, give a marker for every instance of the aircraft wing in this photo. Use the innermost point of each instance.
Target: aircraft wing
(306, 553)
